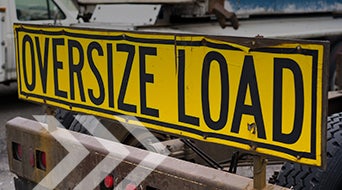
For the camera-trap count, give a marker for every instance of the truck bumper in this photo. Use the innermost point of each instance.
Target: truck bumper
(171, 173)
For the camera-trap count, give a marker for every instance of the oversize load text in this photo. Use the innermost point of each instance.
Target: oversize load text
(261, 96)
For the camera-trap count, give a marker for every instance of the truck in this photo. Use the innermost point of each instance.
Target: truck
(210, 79)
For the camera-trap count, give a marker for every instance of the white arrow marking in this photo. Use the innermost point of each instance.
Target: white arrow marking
(77, 152)
(106, 166)
(151, 161)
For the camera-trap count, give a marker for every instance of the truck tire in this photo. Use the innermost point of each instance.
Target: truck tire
(67, 119)
(297, 176)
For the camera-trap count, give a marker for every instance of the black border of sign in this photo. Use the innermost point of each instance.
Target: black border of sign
(313, 53)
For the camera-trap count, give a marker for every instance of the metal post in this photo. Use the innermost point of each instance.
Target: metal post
(259, 171)
(338, 81)
(50, 111)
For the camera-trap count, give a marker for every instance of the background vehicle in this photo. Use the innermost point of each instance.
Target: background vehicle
(309, 20)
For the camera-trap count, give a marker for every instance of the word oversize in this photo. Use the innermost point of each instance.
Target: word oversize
(267, 99)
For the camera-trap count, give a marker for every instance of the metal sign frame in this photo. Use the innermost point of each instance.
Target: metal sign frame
(307, 89)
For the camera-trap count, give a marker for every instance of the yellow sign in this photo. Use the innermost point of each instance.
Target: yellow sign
(266, 97)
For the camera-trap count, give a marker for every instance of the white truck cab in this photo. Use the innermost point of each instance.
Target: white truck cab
(285, 19)
(58, 12)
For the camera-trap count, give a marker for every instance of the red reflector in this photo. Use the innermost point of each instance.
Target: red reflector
(109, 181)
(131, 187)
(41, 159)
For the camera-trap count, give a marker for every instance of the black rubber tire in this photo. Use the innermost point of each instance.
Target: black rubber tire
(297, 176)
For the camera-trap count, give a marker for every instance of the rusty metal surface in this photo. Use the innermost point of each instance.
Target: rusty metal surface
(170, 174)
(30, 141)
(217, 7)
(259, 170)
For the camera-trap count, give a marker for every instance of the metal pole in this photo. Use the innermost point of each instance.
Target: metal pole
(50, 111)
(259, 171)
(338, 81)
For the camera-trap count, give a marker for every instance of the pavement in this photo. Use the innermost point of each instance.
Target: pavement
(10, 107)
